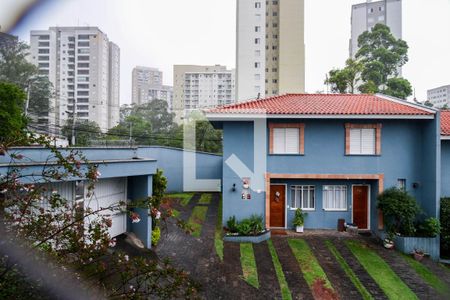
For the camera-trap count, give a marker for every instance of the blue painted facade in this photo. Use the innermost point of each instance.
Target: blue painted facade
(170, 160)
(445, 168)
(410, 149)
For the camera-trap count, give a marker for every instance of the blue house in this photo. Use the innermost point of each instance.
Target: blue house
(445, 153)
(124, 177)
(330, 155)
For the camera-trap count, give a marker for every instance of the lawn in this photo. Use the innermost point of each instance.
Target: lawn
(175, 213)
(312, 271)
(218, 240)
(205, 199)
(248, 263)
(184, 197)
(379, 270)
(428, 276)
(354, 279)
(196, 219)
(285, 292)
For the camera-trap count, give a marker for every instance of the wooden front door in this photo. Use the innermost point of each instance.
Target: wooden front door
(277, 205)
(361, 206)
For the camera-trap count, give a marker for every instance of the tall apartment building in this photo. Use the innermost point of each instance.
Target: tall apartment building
(439, 96)
(147, 85)
(270, 48)
(197, 87)
(366, 15)
(84, 68)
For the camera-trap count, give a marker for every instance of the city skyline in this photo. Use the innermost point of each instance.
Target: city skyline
(215, 43)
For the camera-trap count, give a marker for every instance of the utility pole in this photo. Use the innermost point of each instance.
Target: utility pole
(131, 132)
(74, 111)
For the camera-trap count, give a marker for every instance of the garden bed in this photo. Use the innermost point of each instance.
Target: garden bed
(255, 239)
(429, 245)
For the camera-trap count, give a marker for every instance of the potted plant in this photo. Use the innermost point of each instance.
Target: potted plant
(418, 254)
(299, 220)
(388, 242)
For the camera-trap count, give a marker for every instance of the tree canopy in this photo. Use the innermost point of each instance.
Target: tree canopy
(85, 132)
(12, 120)
(375, 67)
(15, 68)
(152, 124)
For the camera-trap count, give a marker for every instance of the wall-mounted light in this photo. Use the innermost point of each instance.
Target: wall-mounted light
(233, 189)
(416, 185)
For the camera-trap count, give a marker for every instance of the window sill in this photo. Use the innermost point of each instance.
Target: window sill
(325, 209)
(362, 154)
(303, 209)
(286, 154)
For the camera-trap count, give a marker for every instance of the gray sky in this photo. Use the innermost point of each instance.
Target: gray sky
(161, 33)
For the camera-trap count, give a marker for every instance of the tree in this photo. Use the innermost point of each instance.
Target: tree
(12, 120)
(381, 52)
(428, 103)
(15, 68)
(345, 80)
(375, 67)
(398, 87)
(85, 131)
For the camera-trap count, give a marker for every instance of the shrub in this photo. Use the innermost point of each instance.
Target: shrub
(250, 226)
(256, 224)
(245, 227)
(445, 225)
(232, 224)
(399, 210)
(156, 235)
(429, 228)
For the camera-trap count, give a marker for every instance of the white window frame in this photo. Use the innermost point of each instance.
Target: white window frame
(277, 129)
(343, 187)
(360, 132)
(299, 189)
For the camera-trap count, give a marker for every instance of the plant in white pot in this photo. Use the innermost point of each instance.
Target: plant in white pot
(299, 220)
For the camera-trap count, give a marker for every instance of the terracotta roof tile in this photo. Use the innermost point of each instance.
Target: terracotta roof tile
(323, 104)
(445, 122)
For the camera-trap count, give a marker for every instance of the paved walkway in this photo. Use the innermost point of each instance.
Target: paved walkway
(223, 280)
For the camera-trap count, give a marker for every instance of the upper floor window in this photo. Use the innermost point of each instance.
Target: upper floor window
(286, 138)
(257, 4)
(363, 139)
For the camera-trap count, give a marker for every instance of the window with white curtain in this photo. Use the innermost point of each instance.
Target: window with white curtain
(286, 141)
(302, 196)
(334, 197)
(362, 141)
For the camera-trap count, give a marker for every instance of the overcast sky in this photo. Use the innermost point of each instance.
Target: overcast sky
(161, 33)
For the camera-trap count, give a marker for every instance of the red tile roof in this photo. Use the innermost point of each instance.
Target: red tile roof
(445, 122)
(324, 104)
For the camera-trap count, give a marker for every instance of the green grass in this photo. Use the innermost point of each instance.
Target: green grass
(379, 270)
(196, 219)
(285, 292)
(205, 199)
(354, 279)
(218, 240)
(248, 263)
(175, 213)
(184, 197)
(428, 276)
(309, 265)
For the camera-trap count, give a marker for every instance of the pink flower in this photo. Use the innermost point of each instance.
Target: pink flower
(158, 215)
(135, 218)
(112, 242)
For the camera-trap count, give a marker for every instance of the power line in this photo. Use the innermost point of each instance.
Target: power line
(147, 136)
